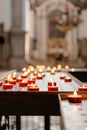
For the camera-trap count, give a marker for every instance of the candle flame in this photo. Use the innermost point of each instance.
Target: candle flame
(59, 66)
(66, 67)
(75, 93)
(14, 74)
(73, 69)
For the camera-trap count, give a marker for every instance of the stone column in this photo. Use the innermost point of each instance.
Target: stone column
(44, 35)
(39, 35)
(17, 59)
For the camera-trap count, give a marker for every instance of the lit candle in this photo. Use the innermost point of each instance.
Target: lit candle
(83, 88)
(24, 75)
(62, 76)
(59, 67)
(67, 79)
(24, 69)
(48, 68)
(51, 83)
(31, 80)
(53, 87)
(39, 76)
(19, 79)
(7, 78)
(31, 69)
(12, 81)
(23, 83)
(40, 70)
(75, 98)
(33, 88)
(52, 72)
(14, 76)
(54, 68)
(7, 86)
(66, 67)
(72, 69)
(35, 73)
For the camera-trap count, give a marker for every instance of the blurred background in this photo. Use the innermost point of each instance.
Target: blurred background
(46, 32)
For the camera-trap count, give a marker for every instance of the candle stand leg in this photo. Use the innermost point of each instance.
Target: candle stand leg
(47, 122)
(18, 122)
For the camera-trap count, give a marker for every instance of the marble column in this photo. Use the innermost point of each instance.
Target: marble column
(17, 59)
(42, 34)
(39, 35)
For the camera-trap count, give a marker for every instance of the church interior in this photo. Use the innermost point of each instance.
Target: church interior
(46, 33)
(37, 32)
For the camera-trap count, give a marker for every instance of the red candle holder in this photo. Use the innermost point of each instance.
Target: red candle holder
(39, 76)
(19, 79)
(12, 81)
(23, 83)
(51, 83)
(33, 88)
(7, 86)
(52, 88)
(24, 76)
(31, 81)
(83, 88)
(67, 79)
(14, 76)
(0, 83)
(75, 98)
(62, 77)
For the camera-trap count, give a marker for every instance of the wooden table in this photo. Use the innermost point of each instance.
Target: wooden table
(19, 101)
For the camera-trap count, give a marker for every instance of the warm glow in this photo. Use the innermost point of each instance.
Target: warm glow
(39, 75)
(32, 68)
(73, 69)
(28, 70)
(24, 80)
(9, 76)
(40, 70)
(54, 68)
(66, 67)
(25, 74)
(83, 86)
(35, 72)
(48, 68)
(52, 71)
(75, 93)
(24, 69)
(59, 67)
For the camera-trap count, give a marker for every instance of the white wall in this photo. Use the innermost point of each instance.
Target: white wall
(5, 13)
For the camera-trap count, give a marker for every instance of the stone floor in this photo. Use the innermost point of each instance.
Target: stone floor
(33, 123)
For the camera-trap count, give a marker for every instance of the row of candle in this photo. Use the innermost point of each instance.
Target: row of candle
(30, 84)
(41, 68)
